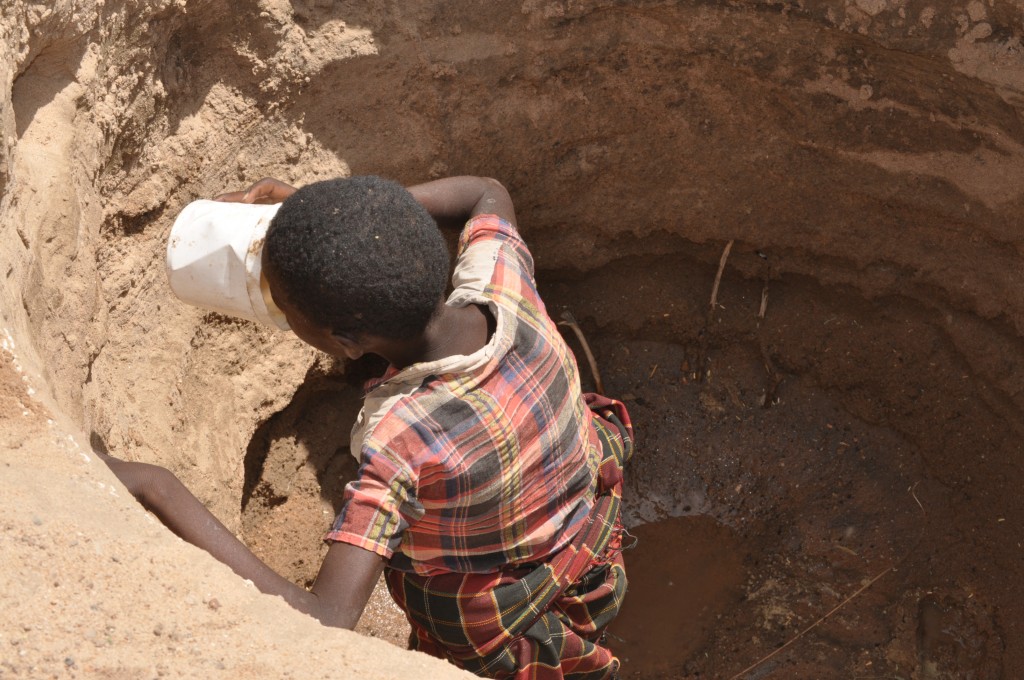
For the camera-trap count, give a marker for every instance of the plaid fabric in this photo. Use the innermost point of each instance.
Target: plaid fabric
(470, 464)
(539, 623)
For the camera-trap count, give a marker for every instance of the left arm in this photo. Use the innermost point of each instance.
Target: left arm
(267, 190)
(451, 200)
(456, 199)
(343, 585)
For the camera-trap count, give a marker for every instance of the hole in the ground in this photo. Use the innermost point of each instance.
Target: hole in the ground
(856, 468)
(753, 518)
(296, 467)
(849, 410)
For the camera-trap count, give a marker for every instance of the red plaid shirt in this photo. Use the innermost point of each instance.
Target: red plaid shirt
(472, 463)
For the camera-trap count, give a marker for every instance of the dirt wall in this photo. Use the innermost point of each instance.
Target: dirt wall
(865, 158)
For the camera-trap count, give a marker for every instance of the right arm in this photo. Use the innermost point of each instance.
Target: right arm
(342, 586)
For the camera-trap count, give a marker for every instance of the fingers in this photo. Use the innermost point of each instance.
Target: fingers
(266, 190)
(232, 197)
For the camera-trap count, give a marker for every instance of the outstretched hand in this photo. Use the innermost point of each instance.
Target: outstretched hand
(267, 190)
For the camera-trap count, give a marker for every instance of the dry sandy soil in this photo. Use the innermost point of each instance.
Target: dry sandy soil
(828, 476)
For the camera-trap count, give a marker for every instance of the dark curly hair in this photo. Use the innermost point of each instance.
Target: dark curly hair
(359, 256)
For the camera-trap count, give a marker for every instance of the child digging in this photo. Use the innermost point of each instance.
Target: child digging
(489, 486)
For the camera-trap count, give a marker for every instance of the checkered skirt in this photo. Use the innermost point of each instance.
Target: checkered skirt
(539, 621)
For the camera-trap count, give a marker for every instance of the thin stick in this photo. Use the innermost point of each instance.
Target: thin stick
(813, 625)
(764, 302)
(718, 276)
(569, 320)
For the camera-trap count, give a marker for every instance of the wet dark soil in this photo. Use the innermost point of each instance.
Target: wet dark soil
(834, 441)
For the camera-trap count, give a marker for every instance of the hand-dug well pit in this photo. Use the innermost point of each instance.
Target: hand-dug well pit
(828, 459)
(770, 483)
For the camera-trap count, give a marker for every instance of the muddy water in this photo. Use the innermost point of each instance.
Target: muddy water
(683, 573)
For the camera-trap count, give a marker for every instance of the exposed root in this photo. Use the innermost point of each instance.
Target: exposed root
(718, 276)
(702, 361)
(916, 499)
(569, 320)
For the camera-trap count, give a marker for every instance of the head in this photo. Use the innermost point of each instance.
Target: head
(354, 259)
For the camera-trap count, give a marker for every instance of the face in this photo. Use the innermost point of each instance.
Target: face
(321, 337)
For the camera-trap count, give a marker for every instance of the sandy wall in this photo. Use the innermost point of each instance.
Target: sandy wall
(101, 142)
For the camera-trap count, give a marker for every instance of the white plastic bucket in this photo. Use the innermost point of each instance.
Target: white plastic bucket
(214, 258)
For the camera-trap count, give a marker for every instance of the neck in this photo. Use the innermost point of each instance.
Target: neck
(452, 331)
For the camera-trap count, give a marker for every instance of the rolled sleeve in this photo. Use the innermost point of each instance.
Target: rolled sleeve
(379, 506)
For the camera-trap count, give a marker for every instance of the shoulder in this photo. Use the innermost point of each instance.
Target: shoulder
(492, 257)
(483, 229)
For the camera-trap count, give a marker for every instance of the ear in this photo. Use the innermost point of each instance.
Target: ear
(352, 347)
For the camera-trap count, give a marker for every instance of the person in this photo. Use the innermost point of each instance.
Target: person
(489, 486)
